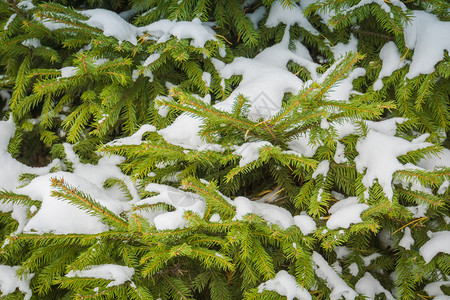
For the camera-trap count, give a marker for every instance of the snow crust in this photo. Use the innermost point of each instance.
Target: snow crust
(284, 284)
(9, 281)
(118, 274)
(10, 20)
(265, 80)
(301, 145)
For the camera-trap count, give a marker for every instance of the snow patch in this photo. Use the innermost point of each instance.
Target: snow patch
(284, 284)
(339, 289)
(429, 37)
(345, 212)
(439, 242)
(9, 281)
(118, 274)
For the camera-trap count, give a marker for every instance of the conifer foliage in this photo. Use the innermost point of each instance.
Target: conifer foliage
(184, 149)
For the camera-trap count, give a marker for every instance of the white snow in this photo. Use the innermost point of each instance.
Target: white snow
(339, 289)
(370, 287)
(59, 216)
(322, 169)
(273, 214)
(115, 26)
(9, 282)
(32, 43)
(353, 269)
(439, 242)
(381, 3)
(206, 77)
(301, 145)
(289, 15)
(265, 79)
(151, 59)
(345, 212)
(10, 171)
(440, 160)
(250, 152)
(429, 37)
(105, 168)
(10, 20)
(305, 223)
(135, 139)
(407, 240)
(342, 90)
(368, 259)
(181, 200)
(377, 154)
(418, 211)
(342, 252)
(25, 5)
(392, 61)
(162, 30)
(434, 289)
(339, 155)
(284, 284)
(184, 132)
(257, 15)
(340, 49)
(67, 72)
(118, 274)
(111, 24)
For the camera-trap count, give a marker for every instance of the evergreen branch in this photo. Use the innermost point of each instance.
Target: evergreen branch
(210, 194)
(85, 202)
(8, 197)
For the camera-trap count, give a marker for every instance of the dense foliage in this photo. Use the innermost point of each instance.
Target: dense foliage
(222, 149)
